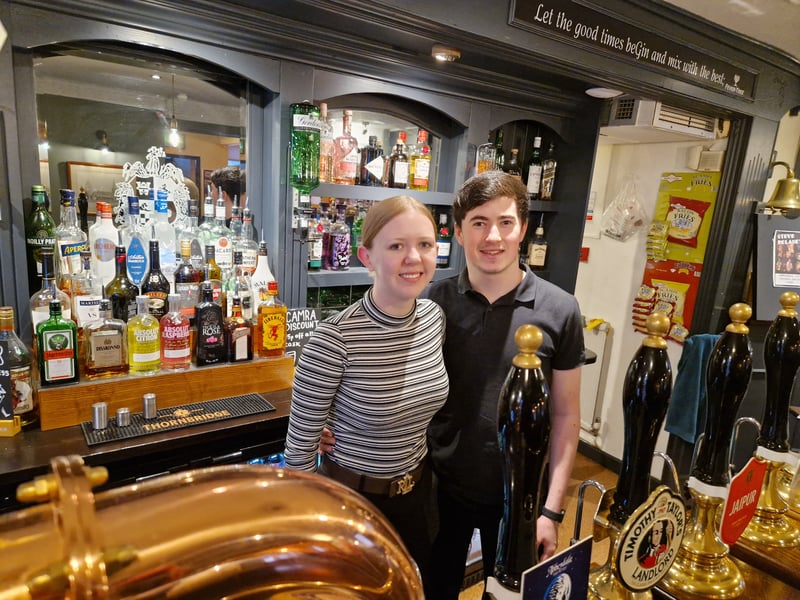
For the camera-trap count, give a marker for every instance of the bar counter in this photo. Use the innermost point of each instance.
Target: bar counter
(240, 439)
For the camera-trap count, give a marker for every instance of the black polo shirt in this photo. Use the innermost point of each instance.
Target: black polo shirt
(478, 349)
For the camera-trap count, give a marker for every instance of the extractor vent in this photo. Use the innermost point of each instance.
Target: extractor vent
(633, 120)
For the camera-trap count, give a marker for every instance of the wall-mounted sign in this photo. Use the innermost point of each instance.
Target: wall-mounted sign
(580, 25)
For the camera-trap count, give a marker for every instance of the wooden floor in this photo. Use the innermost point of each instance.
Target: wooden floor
(585, 469)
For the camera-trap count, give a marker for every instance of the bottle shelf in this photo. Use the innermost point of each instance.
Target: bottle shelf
(358, 276)
(365, 192)
(67, 405)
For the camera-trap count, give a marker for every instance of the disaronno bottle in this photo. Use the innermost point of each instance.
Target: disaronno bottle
(105, 344)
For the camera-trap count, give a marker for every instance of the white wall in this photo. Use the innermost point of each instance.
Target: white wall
(608, 282)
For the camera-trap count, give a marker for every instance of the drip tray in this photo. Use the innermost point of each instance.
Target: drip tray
(178, 417)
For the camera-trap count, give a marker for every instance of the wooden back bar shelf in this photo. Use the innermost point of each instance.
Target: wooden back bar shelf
(63, 406)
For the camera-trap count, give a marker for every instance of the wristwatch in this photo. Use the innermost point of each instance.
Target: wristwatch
(558, 517)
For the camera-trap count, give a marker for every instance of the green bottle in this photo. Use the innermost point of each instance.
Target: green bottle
(57, 343)
(305, 147)
(39, 233)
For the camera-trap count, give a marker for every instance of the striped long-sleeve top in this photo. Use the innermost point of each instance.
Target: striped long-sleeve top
(377, 381)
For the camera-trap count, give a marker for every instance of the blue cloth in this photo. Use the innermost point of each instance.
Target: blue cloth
(686, 414)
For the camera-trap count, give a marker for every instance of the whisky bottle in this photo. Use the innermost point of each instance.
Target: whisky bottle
(40, 232)
(213, 274)
(371, 164)
(176, 348)
(304, 151)
(57, 343)
(87, 290)
(40, 301)
(121, 290)
(271, 325)
(537, 248)
(144, 340)
(238, 332)
(16, 359)
(345, 153)
(645, 396)
(499, 152)
(210, 348)
(534, 182)
(187, 282)
(444, 242)
(397, 169)
(485, 156)
(325, 144)
(105, 347)
(155, 284)
(513, 167)
(549, 173)
(420, 164)
(70, 240)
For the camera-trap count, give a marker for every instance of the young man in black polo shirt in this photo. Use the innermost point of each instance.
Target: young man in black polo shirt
(484, 306)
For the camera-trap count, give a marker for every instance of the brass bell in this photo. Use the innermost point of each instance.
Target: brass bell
(787, 191)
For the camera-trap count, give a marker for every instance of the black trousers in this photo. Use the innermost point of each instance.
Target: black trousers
(457, 520)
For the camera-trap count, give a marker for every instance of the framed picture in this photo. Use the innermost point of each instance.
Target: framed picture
(97, 180)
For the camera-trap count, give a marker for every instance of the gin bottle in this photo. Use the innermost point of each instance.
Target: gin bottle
(16, 359)
(57, 342)
(305, 132)
(164, 232)
(345, 153)
(210, 330)
(70, 240)
(325, 144)
(371, 171)
(135, 239)
(144, 340)
(340, 242)
(397, 169)
(247, 243)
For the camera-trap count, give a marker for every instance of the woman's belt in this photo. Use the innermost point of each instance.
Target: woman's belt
(385, 486)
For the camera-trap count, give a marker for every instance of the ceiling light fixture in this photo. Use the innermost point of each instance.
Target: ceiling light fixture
(601, 92)
(102, 136)
(155, 76)
(444, 53)
(174, 137)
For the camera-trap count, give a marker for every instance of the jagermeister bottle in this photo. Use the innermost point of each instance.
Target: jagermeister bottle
(39, 233)
(304, 147)
(16, 360)
(57, 343)
(645, 396)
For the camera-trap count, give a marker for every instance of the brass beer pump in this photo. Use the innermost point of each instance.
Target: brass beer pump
(770, 525)
(644, 528)
(703, 566)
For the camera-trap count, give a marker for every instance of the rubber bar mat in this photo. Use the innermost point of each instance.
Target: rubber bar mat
(178, 417)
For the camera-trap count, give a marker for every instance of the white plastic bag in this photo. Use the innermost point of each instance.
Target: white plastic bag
(624, 217)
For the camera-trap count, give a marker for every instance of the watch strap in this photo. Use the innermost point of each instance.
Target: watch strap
(558, 517)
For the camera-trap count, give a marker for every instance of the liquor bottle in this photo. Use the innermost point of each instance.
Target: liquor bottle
(237, 281)
(204, 229)
(87, 291)
(238, 332)
(397, 170)
(356, 231)
(534, 182)
(781, 360)
(730, 366)
(164, 232)
(537, 248)
(40, 301)
(247, 243)
(262, 277)
(16, 359)
(549, 165)
(102, 243)
(304, 152)
(155, 285)
(235, 223)
(325, 144)
(513, 167)
(523, 434)
(444, 243)
(70, 240)
(191, 233)
(121, 291)
(314, 244)
(270, 330)
(83, 212)
(325, 224)
(345, 153)
(499, 151)
(371, 164)
(57, 343)
(340, 242)
(420, 165)
(645, 395)
(213, 274)
(187, 282)
(105, 347)
(221, 238)
(485, 156)
(176, 337)
(144, 340)
(135, 239)
(210, 331)
(40, 232)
